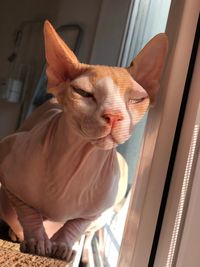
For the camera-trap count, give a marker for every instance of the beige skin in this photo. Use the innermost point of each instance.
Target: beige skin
(60, 171)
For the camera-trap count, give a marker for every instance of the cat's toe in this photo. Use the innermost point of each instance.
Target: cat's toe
(43, 248)
(14, 237)
(60, 250)
(28, 246)
(38, 247)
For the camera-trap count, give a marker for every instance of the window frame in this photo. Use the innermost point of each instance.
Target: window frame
(178, 238)
(158, 138)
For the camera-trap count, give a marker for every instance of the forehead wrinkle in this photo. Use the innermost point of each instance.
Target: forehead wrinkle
(110, 90)
(112, 96)
(107, 84)
(120, 76)
(83, 81)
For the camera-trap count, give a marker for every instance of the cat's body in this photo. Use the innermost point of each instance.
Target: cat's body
(62, 164)
(58, 163)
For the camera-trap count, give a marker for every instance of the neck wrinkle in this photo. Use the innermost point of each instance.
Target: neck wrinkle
(62, 140)
(66, 133)
(72, 158)
(65, 147)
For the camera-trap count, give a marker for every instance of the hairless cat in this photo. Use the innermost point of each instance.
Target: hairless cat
(60, 170)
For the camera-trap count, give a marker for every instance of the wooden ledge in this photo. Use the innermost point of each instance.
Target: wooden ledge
(11, 256)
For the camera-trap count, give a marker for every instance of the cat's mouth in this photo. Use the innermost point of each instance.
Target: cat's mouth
(106, 142)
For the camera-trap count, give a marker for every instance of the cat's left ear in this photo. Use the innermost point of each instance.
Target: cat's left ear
(147, 67)
(62, 64)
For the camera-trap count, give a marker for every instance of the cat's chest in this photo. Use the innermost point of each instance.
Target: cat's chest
(60, 175)
(89, 190)
(79, 183)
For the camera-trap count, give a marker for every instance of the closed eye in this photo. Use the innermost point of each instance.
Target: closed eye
(82, 92)
(136, 100)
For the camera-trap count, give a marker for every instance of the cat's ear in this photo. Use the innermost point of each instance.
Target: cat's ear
(62, 64)
(148, 65)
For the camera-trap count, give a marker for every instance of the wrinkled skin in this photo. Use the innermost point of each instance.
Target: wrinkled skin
(61, 189)
(60, 171)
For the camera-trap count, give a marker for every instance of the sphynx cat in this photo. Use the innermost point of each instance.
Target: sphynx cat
(60, 169)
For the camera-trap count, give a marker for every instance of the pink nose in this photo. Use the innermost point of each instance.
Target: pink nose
(111, 118)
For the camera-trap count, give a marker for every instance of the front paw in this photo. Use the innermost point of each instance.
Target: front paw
(61, 250)
(38, 245)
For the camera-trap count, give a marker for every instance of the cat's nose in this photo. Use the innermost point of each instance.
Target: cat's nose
(112, 118)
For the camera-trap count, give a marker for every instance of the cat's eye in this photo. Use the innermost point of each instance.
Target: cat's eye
(82, 92)
(136, 100)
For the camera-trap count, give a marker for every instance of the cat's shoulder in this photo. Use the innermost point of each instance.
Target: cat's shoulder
(44, 112)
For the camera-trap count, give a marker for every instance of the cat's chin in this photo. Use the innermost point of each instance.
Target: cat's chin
(105, 143)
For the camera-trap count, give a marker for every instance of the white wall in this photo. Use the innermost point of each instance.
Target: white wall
(59, 12)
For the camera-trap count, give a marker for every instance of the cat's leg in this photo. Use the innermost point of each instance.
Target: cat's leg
(36, 240)
(64, 239)
(9, 216)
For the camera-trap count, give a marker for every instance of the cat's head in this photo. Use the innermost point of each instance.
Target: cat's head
(103, 103)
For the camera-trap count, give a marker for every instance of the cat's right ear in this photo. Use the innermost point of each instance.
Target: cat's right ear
(62, 64)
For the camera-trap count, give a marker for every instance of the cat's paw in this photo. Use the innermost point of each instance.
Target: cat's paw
(61, 250)
(15, 237)
(38, 246)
